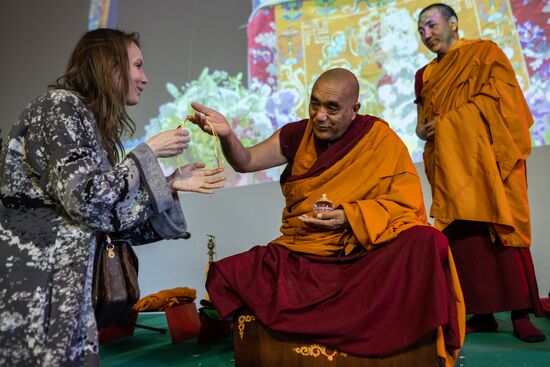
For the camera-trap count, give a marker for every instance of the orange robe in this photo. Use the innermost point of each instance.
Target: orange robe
(385, 201)
(476, 163)
(300, 282)
(166, 298)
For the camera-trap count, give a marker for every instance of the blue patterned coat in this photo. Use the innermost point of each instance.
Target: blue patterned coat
(57, 189)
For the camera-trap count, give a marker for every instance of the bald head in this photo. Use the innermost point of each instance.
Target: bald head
(344, 79)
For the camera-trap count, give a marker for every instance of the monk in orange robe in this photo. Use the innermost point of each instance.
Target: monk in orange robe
(475, 120)
(369, 277)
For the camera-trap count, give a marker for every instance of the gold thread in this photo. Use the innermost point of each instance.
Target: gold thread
(216, 143)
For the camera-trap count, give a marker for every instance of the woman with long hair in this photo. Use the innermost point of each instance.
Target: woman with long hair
(63, 180)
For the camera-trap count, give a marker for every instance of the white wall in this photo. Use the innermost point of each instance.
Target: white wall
(37, 37)
(538, 174)
(239, 218)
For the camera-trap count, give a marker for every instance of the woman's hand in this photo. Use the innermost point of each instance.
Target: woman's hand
(330, 220)
(216, 119)
(169, 143)
(193, 178)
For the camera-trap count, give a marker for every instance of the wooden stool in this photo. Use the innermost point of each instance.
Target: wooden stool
(257, 346)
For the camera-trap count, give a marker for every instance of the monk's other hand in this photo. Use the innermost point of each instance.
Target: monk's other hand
(207, 118)
(333, 219)
(194, 178)
(427, 131)
(169, 143)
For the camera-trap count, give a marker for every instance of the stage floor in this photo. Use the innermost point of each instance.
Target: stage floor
(150, 348)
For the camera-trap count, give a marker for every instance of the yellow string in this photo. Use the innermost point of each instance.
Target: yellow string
(216, 143)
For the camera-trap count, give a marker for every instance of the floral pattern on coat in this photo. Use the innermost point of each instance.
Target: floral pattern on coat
(57, 189)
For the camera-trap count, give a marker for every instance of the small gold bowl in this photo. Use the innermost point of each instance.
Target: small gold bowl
(322, 205)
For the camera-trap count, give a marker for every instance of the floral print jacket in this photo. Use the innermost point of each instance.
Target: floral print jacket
(57, 189)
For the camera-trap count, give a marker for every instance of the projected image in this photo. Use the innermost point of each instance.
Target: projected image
(378, 41)
(290, 43)
(247, 109)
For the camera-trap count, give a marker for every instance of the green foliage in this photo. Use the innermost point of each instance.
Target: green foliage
(244, 109)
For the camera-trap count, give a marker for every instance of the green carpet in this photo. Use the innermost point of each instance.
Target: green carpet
(503, 349)
(150, 348)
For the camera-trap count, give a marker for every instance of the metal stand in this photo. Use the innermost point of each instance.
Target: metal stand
(211, 247)
(160, 330)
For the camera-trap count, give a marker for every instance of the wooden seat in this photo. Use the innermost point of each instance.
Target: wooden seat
(257, 346)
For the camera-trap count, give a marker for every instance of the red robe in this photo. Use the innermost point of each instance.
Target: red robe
(372, 289)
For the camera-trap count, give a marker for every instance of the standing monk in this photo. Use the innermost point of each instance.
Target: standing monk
(475, 121)
(370, 277)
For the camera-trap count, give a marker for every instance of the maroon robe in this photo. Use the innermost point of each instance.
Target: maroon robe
(370, 303)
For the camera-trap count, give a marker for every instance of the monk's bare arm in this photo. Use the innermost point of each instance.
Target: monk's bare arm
(264, 155)
(261, 156)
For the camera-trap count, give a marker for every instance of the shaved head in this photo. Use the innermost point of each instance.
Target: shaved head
(443, 9)
(344, 78)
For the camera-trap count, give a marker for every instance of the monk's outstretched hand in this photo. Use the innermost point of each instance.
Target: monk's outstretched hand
(194, 178)
(208, 119)
(333, 219)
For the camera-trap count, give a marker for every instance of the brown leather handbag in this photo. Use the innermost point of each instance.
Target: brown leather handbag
(115, 287)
